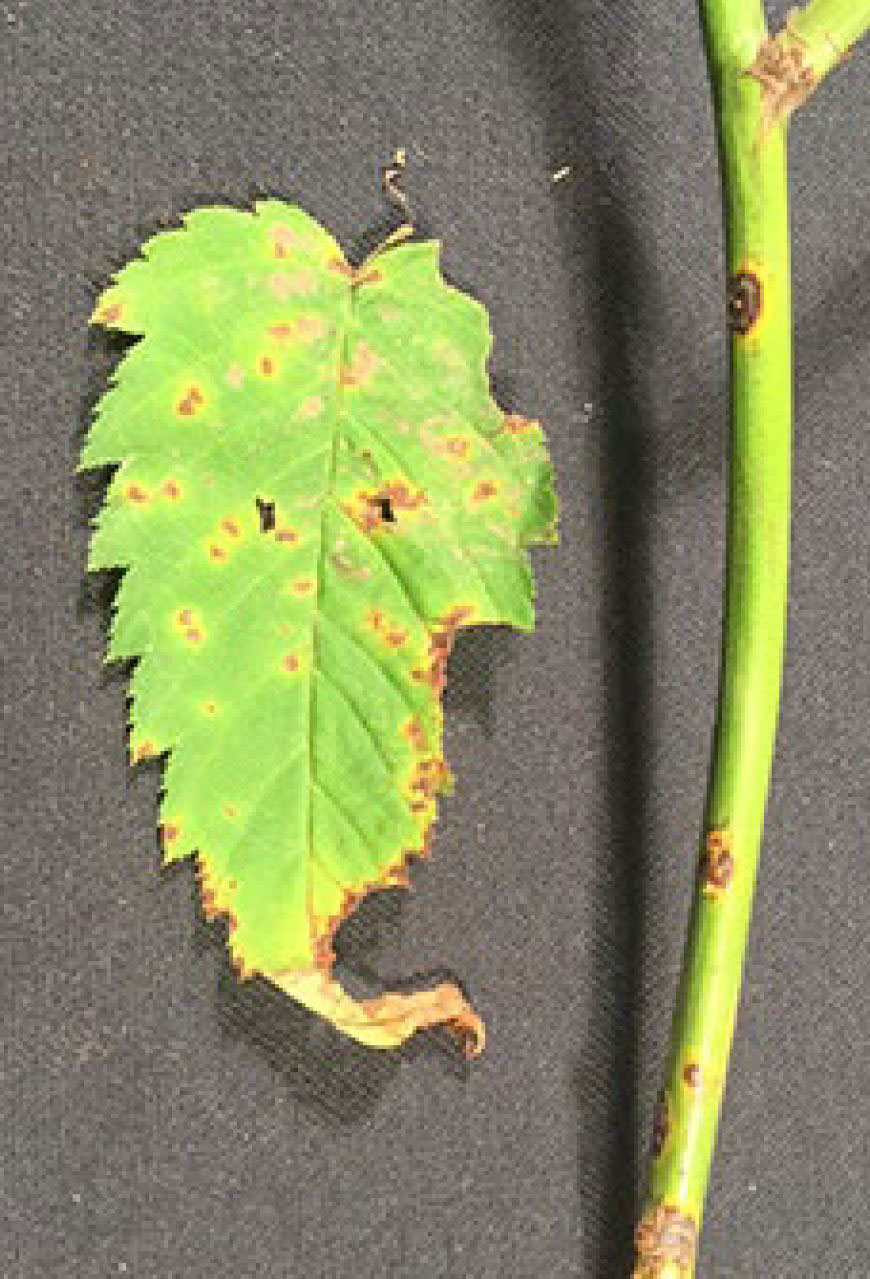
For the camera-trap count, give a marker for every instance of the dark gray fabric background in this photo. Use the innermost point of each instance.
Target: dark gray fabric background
(158, 1119)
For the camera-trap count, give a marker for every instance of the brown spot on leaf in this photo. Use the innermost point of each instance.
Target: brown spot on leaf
(285, 534)
(134, 493)
(185, 617)
(283, 285)
(191, 402)
(341, 267)
(109, 315)
(169, 832)
(310, 327)
(361, 367)
(194, 635)
(231, 528)
(303, 585)
(416, 734)
(171, 490)
(217, 552)
(516, 424)
(144, 750)
(484, 490)
(311, 407)
(281, 332)
(440, 645)
(290, 662)
(209, 708)
(230, 811)
(396, 639)
(284, 240)
(453, 446)
(266, 366)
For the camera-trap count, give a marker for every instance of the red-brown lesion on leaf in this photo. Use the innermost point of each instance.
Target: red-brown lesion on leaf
(303, 585)
(231, 811)
(193, 635)
(217, 552)
(231, 527)
(145, 749)
(133, 493)
(266, 366)
(286, 534)
(290, 663)
(209, 708)
(191, 402)
(171, 490)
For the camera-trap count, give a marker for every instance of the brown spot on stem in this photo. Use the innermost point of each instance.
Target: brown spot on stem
(785, 76)
(745, 299)
(717, 863)
(665, 1235)
(190, 403)
(661, 1125)
(693, 1076)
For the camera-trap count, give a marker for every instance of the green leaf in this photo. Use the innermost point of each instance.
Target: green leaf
(314, 491)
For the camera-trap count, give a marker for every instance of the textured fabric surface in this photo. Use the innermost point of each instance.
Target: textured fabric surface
(158, 1119)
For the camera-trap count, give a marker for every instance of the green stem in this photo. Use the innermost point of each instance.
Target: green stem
(751, 112)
